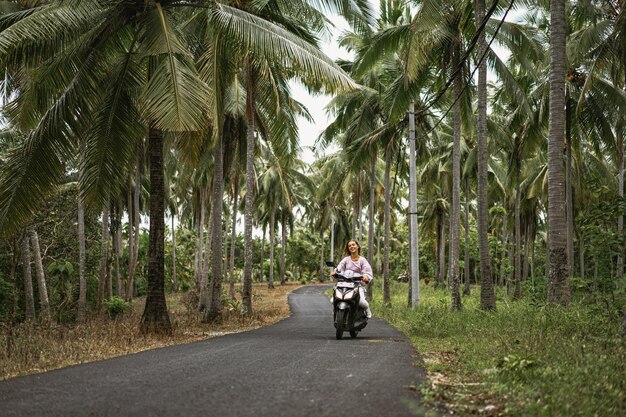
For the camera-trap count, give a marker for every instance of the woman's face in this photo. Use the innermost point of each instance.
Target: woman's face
(353, 248)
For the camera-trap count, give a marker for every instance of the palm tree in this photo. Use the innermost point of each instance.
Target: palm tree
(273, 38)
(487, 293)
(557, 255)
(122, 66)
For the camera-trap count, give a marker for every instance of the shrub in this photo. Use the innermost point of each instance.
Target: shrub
(116, 306)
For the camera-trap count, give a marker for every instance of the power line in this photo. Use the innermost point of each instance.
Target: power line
(462, 62)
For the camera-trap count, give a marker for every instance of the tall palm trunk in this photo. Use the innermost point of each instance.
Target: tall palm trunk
(620, 190)
(355, 209)
(213, 314)
(505, 244)
(387, 243)
(455, 226)
(283, 244)
(29, 299)
(44, 304)
(174, 277)
(134, 257)
(263, 253)
(205, 291)
(517, 292)
(569, 202)
(466, 264)
(117, 245)
(272, 245)
(372, 207)
(246, 293)
(441, 249)
(414, 248)
(332, 239)
(487, 293)
(558, 291)
(131, 240)
(233, 237)
(372, 222)
(104, 259)
(155, 318)
(526, 244)
(82, 282)
(322, 275)
(199, 257)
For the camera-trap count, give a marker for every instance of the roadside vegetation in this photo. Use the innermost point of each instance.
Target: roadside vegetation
(527, 358)
(29, 347)
(151, 151)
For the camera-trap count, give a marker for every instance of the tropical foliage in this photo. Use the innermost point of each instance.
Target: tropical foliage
(151, 147)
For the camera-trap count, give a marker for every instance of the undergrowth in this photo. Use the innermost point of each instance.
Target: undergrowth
(28, 348)
(527, 358)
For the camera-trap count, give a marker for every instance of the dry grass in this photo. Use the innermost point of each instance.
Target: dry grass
(31, 348)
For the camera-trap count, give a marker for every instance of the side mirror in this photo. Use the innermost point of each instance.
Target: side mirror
(330, 264)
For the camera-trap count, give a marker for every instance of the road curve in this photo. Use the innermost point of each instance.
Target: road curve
(295, 368)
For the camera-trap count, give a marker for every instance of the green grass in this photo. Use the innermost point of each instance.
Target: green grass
(525, 359)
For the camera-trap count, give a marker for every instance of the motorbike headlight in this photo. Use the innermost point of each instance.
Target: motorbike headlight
(349, 295)
(338, 295)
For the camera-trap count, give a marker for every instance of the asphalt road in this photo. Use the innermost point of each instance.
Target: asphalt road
(293, 368)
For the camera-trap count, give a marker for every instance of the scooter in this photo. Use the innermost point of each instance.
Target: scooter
(348, 315)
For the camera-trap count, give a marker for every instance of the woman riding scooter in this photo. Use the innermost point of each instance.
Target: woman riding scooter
(354, 262)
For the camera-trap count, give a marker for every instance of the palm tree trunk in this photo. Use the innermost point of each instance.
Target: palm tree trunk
(532, 256)
(117, 247)
(283, 243)
(557, 231)
(620, 190)
(199, 258)
(44, 304)
(361, 217)
(263, 253)
(569, 203)
(455, 214)
(233, 238)
(155, 318)
(505, 240)
(131, 240)
(441, 276)
(355, 211)
(205, 292)
(413, 230)
(207, 247)
(247, 269)
(213, 314)
(322, 275)
(104, 259)
(517, 292)
(29, 299)
(332, 239)
(387, 242)
(82, 282)
(466, 264)
(526, 244)
(272, 245)
(372, 207)
(174, 277)
(487, 293)
(134, 258)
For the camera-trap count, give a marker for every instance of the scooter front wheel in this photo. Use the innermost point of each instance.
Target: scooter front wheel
(340, 323)
(353, 333)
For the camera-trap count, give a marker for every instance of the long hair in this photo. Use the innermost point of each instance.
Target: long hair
(346, 252)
